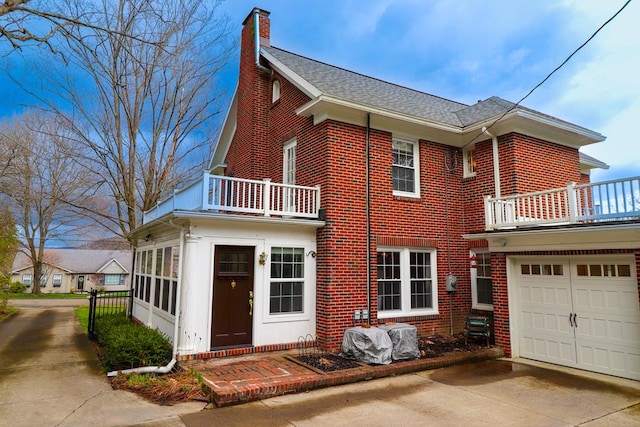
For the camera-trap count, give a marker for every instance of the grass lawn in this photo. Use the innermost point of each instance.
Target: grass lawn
(24, 295)
(82, 313)
(7, 312)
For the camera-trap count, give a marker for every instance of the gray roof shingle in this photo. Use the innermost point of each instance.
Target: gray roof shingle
(348, 85)
(78, 260)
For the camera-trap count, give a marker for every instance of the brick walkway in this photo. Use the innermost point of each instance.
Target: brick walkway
(241, 379)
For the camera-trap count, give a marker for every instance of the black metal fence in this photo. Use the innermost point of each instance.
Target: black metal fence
(108, 302)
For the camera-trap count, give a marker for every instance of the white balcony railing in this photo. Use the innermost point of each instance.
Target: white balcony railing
(615, 200)
(224, 194)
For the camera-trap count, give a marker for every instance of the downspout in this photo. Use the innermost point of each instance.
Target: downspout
(368, 212)
(169, 367)
(496, 161)
(256, 34)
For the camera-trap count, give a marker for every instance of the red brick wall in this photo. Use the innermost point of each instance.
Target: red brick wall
(248, 154)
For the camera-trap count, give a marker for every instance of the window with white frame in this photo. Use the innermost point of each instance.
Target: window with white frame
(26, 279)
(43, 280)
(481, 287)
(405, 168)
(156, 277)
(289, 166)
(111, 279)
(286, 287)
(56, 280)
(407, 282)
(275, 90)
(469, 160)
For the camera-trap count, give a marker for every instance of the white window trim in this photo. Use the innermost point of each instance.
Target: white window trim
(466, 173)
(474, 287)
(292, 143)
(53, 280)
(308, 291)
(29, 281)
(275, 91)
(405, 284)
(416, 169)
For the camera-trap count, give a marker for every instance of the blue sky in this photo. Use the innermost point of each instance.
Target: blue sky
(467, 50)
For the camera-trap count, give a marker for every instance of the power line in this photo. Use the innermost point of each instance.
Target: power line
(555, 69)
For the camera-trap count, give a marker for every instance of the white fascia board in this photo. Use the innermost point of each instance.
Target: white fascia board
(112, 260)
(302, 84)
(584, 136)
(308, 110)
(226, 134)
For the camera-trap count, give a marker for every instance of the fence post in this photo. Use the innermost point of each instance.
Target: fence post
(92, 313)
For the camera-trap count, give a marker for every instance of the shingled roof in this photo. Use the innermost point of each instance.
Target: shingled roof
(350, 86)
(77, 260)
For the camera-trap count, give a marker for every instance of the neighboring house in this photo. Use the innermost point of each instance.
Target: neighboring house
(76, 270)
(334, 199)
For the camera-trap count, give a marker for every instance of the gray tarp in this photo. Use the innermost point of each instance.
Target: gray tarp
(368, 345)
(405, 340)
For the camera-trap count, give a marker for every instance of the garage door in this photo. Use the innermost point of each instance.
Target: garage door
(580, 312)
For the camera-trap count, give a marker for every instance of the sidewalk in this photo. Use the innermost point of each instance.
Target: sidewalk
(50, 376)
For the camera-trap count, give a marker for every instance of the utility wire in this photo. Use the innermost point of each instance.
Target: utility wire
(555, 69)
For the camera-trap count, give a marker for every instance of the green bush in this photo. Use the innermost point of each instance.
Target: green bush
(128, 345)
(17, 288)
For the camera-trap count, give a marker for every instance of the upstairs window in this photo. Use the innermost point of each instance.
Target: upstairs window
(469, 160)
(275, 91)
(405, 168)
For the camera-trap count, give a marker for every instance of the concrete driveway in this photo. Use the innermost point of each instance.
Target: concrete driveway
(50, 376)
(493, 393)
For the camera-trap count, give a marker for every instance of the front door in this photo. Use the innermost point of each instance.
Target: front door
(80, 284)
(232, 296)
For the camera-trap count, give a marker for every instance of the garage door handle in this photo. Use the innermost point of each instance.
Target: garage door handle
(575, 320)
(571, 319)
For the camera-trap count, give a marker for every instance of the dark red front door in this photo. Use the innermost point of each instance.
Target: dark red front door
(232, 296)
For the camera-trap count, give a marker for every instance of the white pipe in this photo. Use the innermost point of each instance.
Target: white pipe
(256, 34)
(145, 370)
(496, 161)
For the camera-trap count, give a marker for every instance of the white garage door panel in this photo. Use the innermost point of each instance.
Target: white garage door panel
(607, 336)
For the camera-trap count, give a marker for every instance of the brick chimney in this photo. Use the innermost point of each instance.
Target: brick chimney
(249, 158)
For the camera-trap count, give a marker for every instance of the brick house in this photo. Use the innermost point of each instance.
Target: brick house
(334, 199)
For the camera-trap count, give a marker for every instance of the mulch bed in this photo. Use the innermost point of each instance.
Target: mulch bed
(169, 389)
(432, 346)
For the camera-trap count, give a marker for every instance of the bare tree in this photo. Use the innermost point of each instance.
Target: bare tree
(39, 21)
(144, 110)
(43, 176)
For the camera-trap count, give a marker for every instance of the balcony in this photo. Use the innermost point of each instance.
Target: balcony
(223, 194)
(616, 200)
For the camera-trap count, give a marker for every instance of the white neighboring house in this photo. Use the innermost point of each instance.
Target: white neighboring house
(77, 270)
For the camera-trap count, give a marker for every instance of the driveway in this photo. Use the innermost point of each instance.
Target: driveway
(50, 376)
(497, 392)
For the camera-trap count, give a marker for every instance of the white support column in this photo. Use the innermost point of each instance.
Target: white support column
(188, 296)
(573, 202)
(267, 197)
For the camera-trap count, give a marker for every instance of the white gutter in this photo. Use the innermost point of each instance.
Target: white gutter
(176, 327)
(496, 161)
(256, 31)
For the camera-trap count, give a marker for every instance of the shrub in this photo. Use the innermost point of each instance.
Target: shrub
(17, 288)
(128, 345)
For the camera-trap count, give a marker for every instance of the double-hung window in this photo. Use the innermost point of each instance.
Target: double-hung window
(407, 282)
(26, 279)
(481, 288)
(469, 160)
(286, 287)
(43, 280)
(56, 280)
(111, 279)
(405, 168)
